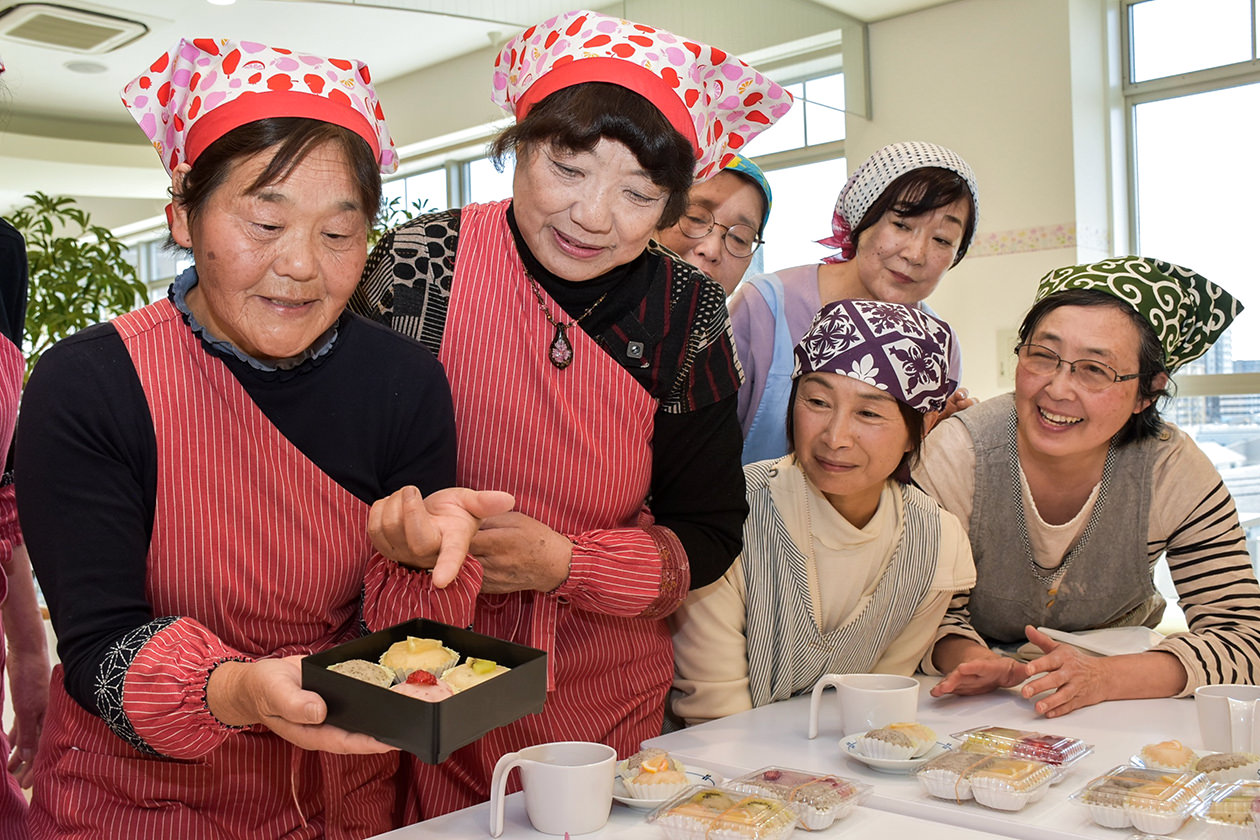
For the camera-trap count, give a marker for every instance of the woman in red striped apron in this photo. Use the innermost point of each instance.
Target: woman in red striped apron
(199, 473)
(25, 656)
(593, 372)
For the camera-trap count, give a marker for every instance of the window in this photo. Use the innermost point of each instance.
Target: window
(1193, 100)
(803, 158)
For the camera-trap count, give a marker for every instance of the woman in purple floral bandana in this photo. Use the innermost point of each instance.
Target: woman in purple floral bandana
(846, 568)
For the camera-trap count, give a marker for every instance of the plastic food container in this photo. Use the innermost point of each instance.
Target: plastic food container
(1228, 811)
(1058, 750)
(724, 813)
(818, 800)
(1001, 782)
(1155, 801)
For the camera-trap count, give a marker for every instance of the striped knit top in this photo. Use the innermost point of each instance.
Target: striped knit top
(1191, 519)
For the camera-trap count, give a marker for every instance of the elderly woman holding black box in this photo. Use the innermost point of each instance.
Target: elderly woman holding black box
(198, 475)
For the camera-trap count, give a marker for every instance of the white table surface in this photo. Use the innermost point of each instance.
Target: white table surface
(777, 734)
(897, 808)
(628, 824)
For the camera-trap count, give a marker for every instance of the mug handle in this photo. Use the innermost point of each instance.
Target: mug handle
(498, 784)
(1241, 717)
(825, 680)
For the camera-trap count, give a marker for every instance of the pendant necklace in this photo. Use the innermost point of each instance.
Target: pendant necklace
(560, 351)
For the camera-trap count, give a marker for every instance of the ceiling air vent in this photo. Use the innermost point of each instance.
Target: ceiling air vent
(63, 28)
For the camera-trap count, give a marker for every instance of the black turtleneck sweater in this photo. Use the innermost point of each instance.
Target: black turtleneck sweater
(697, 485)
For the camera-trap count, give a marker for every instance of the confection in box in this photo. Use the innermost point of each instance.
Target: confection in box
(1228, 811)
(818, 799)
(430, 731)
(1154, 801)
(724, 813)
(1059, 750)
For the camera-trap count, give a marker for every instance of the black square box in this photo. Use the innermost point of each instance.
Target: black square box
(430, 731)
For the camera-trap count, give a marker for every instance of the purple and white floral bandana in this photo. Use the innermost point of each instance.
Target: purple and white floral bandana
(896, 348)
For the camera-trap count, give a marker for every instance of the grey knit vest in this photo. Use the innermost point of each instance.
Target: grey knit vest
(1107, 584)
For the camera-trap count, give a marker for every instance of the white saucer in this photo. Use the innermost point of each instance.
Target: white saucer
(695, 776)
(848, 745)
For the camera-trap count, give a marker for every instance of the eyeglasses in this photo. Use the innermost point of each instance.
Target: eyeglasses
(697, 222)
(1092, 375)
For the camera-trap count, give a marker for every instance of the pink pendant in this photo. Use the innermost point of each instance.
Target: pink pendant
(561, 351)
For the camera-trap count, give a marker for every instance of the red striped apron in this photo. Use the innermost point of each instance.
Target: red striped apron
(574, 446)
(12, 366)
(257, 544)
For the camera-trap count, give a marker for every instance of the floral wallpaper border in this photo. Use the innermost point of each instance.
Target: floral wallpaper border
(1045, 238)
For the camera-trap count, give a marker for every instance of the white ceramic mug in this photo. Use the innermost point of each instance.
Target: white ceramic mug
(1228, 720)
(867, 701)
(568, 786)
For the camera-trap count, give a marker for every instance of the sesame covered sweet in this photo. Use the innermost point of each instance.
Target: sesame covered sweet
(886, 743)
(924, 737)
(1230, 766)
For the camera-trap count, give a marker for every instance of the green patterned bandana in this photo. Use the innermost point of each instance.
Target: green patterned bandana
(1188, 311)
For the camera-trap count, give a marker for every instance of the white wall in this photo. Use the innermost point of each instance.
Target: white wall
(454, 96)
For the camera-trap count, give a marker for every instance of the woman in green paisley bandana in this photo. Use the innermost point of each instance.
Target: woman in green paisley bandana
(1072, 488)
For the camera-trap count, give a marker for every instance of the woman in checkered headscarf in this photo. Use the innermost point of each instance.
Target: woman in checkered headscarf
(904, 218)
(1073, 487)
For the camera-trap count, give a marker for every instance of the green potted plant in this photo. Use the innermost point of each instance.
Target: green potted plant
(79, 275)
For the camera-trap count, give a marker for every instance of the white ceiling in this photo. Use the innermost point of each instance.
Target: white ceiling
(44, 103)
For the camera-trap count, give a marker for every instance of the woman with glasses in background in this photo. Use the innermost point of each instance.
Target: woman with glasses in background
(1073, 487)
(905, 217)
(721, 227)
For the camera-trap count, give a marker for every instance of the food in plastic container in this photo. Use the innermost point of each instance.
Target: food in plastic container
(1009, 784)
(1022, 743)
(817, 800)
(947, 775)
(1229, 810)
(1155, 801)
(724, 813)
(1000, 782)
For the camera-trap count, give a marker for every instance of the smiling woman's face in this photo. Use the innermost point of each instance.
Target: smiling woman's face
(849, 439)
(275, 265)
(1056, 417)
(902, 259)
(585, 213)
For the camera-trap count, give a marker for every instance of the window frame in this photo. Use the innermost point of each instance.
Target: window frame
(1171, 87)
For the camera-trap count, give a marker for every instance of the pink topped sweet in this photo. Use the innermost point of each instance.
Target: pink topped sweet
(424, 686)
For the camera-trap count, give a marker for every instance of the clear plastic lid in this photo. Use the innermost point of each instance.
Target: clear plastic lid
(1230, 804)
(1138, 788)
(824, 795)
(1023, 743)
(1016, 774)
(700, 812)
